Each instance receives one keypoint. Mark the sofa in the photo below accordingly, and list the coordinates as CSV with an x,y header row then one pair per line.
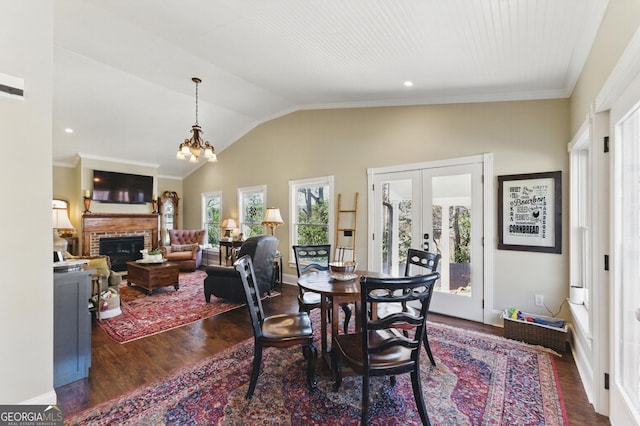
x,y
224,281
184,248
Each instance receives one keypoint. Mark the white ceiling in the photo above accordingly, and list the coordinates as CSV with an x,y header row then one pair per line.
x,y
123,68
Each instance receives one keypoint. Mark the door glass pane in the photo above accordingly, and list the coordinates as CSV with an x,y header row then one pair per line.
x,y
451,212
396,225
629,328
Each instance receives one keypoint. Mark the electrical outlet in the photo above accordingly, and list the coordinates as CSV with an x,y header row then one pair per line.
x,y
539,300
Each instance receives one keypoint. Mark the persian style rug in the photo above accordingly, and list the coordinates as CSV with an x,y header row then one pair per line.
x,y
164,309
479,380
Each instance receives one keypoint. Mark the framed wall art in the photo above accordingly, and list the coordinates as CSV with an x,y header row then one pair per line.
x,y
530,212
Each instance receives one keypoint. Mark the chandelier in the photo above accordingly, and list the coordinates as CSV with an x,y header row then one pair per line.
x,y
196,146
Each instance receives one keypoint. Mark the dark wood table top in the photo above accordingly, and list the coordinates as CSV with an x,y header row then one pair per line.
x,y
151,265
321,282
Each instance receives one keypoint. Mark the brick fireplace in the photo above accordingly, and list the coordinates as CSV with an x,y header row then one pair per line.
x,y
96,226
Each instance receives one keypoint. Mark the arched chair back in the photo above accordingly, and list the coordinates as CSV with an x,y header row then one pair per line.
x,y
312,258
421,262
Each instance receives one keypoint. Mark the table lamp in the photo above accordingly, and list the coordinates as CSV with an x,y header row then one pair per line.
x,y
272,219
228,225
60,221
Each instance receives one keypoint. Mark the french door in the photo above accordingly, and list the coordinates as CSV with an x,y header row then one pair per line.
x,y
437,209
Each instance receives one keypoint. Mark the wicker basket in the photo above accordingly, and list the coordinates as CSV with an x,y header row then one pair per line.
x,y
536,334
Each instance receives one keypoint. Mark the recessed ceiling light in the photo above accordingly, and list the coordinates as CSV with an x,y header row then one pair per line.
x,y
68,130
408,83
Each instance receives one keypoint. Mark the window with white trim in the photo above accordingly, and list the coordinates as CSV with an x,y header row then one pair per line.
x,y
310,204
211,213
251,205
580,208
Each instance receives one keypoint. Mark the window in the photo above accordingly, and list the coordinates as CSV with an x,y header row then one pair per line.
x,y
309,208
580,253
251,207
212,210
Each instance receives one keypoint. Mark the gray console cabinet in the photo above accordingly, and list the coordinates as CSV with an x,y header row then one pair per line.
x,y
71,326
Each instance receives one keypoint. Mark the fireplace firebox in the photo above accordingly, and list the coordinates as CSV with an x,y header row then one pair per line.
x,y
122,250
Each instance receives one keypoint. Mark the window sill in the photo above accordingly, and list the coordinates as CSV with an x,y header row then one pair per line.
x,y
581,320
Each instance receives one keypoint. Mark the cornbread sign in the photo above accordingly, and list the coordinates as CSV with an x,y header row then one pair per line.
x,y
529,212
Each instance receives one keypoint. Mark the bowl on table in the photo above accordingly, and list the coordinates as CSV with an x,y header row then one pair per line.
x,y
343,267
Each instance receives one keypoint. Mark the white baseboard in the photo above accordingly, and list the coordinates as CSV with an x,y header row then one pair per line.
x,y
581,357
290,279
49,398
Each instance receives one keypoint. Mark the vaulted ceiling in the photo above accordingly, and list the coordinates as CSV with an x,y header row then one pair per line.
x,y
123,68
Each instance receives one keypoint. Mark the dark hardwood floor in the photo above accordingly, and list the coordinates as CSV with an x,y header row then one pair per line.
x,y
120,368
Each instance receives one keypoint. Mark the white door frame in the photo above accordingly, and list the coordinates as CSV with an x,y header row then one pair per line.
x,y
618,94
489,215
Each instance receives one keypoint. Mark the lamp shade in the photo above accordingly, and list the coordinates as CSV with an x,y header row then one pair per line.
x,y
228,223
272,217
60,219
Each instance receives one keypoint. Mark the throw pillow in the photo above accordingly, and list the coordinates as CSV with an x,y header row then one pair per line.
x,y
99,263
183,247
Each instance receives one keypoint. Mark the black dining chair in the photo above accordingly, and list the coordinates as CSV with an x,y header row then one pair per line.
x,y
310,258
424,262
281,330
419,262
380,349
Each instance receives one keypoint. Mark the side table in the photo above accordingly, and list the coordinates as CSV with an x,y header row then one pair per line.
x,y
229,254
72,245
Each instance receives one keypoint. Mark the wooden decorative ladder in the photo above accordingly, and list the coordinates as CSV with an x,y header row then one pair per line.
x,y
345,242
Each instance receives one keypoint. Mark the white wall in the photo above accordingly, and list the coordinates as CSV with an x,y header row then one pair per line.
x,y
26,315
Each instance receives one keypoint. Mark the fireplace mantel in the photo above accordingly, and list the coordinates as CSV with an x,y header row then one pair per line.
x,y
97,225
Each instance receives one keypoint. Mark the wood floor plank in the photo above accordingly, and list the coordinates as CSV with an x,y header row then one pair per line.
x,y
120,368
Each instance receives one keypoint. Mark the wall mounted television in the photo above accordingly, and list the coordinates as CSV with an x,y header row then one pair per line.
x,y
124,188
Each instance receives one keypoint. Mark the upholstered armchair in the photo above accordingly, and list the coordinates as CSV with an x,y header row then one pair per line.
x,y
225,282
184,248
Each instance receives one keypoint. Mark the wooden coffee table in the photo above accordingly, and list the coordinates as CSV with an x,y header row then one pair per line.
x,y
152,275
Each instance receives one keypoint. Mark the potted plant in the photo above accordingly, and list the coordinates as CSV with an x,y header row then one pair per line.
x,y
155,255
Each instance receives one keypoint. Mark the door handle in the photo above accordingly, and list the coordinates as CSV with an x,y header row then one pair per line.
x,y
425,243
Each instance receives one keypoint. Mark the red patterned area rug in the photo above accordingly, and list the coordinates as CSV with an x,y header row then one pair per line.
x,y
162,310
479,380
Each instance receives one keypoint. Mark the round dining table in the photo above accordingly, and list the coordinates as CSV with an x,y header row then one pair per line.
x,y
335,289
